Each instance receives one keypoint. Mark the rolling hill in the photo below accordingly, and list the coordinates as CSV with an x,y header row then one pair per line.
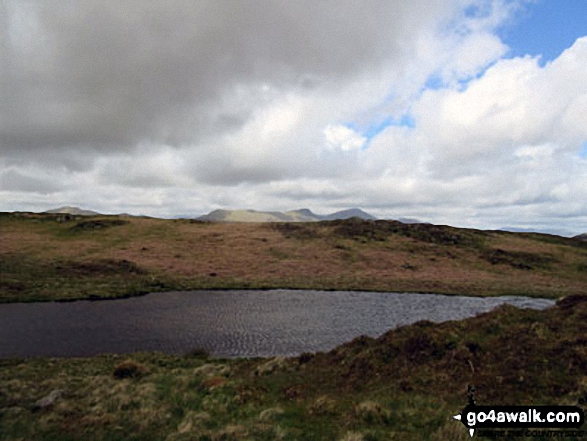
x,y
110,256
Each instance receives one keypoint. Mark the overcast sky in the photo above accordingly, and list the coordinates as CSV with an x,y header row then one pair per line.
x,y
463,112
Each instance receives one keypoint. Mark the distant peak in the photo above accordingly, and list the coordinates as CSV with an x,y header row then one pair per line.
x,y
72,210
68,207
351,212
304,211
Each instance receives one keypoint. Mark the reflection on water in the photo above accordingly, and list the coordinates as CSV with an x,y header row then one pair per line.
x,y
228,323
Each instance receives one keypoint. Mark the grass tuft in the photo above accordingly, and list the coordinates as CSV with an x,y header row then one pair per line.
x,y
130,369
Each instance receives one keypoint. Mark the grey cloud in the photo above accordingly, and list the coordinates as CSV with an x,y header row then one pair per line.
x,y
224,170
111,74
11,180
76,158
521,201
159,107
302,193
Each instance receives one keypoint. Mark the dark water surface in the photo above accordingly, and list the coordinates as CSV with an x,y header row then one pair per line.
x,y
228,323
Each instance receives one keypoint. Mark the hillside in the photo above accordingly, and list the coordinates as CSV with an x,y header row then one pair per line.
x,y
302,215
46,257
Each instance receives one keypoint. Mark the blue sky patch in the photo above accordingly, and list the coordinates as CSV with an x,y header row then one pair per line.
x,y
434,82
477,11
374,128
406,120
583,153
545,27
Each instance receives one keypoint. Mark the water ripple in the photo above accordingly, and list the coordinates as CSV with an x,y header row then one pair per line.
x,y
228,323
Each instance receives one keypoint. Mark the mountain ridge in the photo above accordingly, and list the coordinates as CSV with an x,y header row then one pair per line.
x,y
299,215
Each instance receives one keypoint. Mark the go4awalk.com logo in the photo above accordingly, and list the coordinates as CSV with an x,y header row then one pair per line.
x,y
520,417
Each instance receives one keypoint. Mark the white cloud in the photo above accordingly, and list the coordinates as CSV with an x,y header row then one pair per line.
x,y
475,52
515,103
194,106
343,138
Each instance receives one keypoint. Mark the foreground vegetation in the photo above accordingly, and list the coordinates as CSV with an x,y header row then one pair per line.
x,y
405,385
65,257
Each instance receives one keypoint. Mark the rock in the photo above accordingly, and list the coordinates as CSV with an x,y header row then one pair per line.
x,y
47,401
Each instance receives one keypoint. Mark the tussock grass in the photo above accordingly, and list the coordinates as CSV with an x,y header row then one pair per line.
x,y
129,369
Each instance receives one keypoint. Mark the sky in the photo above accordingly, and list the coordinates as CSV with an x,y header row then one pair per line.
x,y
470,113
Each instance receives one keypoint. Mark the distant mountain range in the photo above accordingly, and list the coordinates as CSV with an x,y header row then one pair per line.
x,y
303,215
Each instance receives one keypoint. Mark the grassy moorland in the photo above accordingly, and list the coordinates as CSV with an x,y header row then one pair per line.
x,y
63,257
405,385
